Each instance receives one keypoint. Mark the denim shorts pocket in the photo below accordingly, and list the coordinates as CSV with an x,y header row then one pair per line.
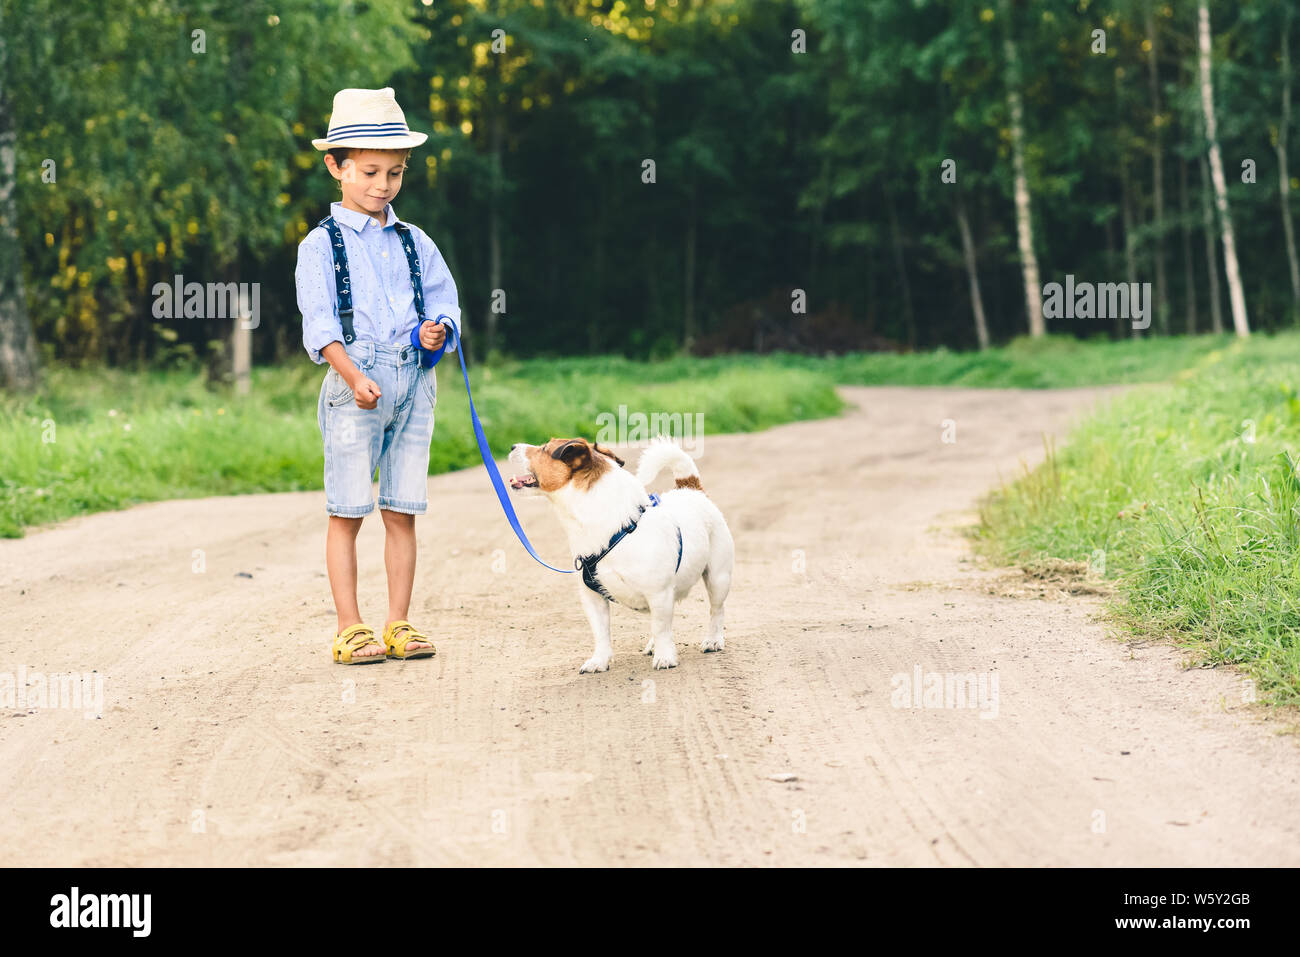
x,y
337,391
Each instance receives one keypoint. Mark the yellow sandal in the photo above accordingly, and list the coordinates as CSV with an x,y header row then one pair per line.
x,y
353,639
397,646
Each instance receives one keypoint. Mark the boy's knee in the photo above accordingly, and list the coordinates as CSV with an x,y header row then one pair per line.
x,y
397,519
346,523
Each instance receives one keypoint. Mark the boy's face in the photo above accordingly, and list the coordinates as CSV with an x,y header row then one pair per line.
x,y
370,178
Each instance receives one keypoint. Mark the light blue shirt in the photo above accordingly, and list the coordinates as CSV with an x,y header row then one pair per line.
x,y
383,303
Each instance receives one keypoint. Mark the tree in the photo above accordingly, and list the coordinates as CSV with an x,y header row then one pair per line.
x,y
1235,295
1024,218
972,275
18,365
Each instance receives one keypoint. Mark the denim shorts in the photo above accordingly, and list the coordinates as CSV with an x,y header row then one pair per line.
x,y
393,437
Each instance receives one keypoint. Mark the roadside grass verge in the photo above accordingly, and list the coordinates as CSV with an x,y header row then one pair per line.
x,y
1188,496
1053,362
96,439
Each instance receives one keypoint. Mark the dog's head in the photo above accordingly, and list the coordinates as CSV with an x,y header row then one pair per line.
x,y
560,463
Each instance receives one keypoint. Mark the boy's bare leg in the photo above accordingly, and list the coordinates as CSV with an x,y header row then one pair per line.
x,y
341,565
399,560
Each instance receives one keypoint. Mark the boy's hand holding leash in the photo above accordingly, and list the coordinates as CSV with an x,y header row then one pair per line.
x,y
432,335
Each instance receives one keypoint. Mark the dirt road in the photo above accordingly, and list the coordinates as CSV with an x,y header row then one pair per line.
x,y
228,737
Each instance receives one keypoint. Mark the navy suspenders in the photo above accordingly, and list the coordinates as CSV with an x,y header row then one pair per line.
x,y
342,281
343,285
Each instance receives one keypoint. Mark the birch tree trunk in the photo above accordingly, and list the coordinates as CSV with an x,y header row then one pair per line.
x,y
1283,174
972,274
1236,297
241,340
1211,258
1024,221
17,344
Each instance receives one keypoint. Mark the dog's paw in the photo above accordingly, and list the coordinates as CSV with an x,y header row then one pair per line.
x,y
668,660
713,644
649,648
592,665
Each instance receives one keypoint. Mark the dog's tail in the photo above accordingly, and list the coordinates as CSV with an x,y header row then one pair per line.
x,y
664,453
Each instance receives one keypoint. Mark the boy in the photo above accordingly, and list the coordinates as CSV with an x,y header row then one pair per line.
x,y
365,281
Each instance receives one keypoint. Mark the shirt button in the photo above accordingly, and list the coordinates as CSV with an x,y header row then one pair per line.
x,y
385,255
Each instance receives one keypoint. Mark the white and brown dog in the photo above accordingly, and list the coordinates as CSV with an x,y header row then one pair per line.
x,y
640,550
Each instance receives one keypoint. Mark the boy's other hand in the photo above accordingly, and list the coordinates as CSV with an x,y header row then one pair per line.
x,y
367,392
432,335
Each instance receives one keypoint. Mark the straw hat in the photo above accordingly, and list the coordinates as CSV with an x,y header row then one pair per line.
x,y
368,120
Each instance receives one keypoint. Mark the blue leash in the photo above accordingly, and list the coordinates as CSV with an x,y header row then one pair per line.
x,y
586,563
427,357
483,450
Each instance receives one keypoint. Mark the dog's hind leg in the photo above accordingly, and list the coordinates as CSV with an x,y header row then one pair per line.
x,y
661,630
597,610
717,582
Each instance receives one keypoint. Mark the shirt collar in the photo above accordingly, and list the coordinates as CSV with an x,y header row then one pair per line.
x,y
357,221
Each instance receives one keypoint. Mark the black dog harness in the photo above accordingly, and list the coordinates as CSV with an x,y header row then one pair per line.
x,y
587,563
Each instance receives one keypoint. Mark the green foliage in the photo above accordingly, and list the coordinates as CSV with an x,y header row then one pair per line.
x,y
169,160
774,169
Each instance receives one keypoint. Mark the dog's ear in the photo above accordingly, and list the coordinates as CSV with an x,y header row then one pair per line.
x,y
572,453
604,451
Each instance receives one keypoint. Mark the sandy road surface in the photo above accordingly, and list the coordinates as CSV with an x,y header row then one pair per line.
x,y
229,738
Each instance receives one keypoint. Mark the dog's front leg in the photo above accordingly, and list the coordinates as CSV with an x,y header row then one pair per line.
x,y
661,630
597,610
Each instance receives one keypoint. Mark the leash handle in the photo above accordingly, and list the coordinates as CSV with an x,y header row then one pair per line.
x,y
502,495
429,359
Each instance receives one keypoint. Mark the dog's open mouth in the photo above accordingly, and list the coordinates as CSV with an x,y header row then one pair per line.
x,y
528,480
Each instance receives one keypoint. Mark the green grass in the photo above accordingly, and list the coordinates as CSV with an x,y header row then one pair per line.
x,y
1053,362
1189,492
99,439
